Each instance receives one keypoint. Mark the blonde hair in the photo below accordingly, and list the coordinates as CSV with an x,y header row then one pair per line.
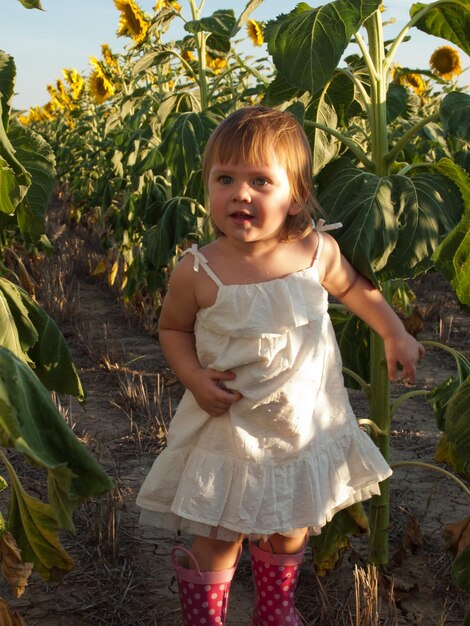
x,y
250,136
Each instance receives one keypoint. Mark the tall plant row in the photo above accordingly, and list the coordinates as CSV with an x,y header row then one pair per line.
x,y
391,162
34,360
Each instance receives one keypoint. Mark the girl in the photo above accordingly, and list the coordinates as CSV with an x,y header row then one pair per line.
x,y
264,443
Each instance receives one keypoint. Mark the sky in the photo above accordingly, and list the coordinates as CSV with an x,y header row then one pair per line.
x,y
67,32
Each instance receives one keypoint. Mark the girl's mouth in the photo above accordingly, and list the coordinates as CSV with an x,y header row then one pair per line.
x,y
241,217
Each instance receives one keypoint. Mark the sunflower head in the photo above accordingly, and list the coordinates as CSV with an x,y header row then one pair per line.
x,y
255,32
132,21
216,64
445,62
101,88
410,80
167,4
108,56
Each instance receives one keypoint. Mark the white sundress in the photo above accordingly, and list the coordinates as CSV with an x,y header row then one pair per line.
x,y
290,453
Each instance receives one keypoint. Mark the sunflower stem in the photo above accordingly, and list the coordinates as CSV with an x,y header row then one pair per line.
x,y
350,143
414,130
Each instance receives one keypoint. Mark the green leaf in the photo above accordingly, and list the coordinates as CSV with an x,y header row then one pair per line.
x,y
184,137
36,156
455,115
14,179
7,83
391,224
32,4
454,447
307,44
336,95
32,423
441,395
449,20
461,569
353,337
397,100
34,338
279,91
452,257
328,547
36,530
178,220
221,22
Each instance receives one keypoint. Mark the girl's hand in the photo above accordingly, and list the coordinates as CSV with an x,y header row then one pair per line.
x,y
208,389
405,350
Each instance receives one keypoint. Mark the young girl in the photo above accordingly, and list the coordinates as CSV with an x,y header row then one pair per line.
x,y
264,443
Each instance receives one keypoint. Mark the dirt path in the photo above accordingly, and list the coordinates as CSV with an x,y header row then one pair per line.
x,y
123,575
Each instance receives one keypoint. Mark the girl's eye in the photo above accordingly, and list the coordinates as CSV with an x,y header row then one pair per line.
x,y
260,181
225,180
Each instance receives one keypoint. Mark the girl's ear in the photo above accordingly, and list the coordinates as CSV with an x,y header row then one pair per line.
x,y
294,209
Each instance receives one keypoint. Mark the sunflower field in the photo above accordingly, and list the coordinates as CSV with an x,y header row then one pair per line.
x,y
123,144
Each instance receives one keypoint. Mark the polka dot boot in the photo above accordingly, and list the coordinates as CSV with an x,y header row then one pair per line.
x,y
275,577
203,595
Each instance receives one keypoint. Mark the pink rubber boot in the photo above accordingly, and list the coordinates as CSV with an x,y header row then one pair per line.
x,y
275,577
203,595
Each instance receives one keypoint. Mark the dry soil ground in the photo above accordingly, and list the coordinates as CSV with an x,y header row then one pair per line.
x,y
122,574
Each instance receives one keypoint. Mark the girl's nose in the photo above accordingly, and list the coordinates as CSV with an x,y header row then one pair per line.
x,y
241,192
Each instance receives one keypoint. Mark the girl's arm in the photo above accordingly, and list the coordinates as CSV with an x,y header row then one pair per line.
x,y
176,336
358,294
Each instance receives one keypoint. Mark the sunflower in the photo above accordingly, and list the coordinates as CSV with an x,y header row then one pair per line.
x,y
255,32
101,88
167,4
132,22
410,80
216,64
75,81
445,62
109,58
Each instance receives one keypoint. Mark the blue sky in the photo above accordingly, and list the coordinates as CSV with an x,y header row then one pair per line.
x,y
67,32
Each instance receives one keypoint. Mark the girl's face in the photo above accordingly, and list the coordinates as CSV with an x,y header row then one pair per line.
x,y
250,203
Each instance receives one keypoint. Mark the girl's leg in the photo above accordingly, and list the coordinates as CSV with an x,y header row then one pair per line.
x,y
276,566
213,555
204,576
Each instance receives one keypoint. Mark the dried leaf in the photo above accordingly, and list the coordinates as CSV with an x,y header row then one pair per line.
x,y
414,322
100,268
113,272
15,571
413,538
457,535
9,617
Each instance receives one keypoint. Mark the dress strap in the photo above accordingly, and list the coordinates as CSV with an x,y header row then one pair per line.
x,y
200,260
321,227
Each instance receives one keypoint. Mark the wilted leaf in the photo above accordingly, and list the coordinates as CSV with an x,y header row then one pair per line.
x,y
328,547
457,535
16,572
33,425
35,528
100,268
9,617
34,337
113,273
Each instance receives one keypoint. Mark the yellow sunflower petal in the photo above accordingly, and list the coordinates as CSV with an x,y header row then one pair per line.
x,y
255,32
